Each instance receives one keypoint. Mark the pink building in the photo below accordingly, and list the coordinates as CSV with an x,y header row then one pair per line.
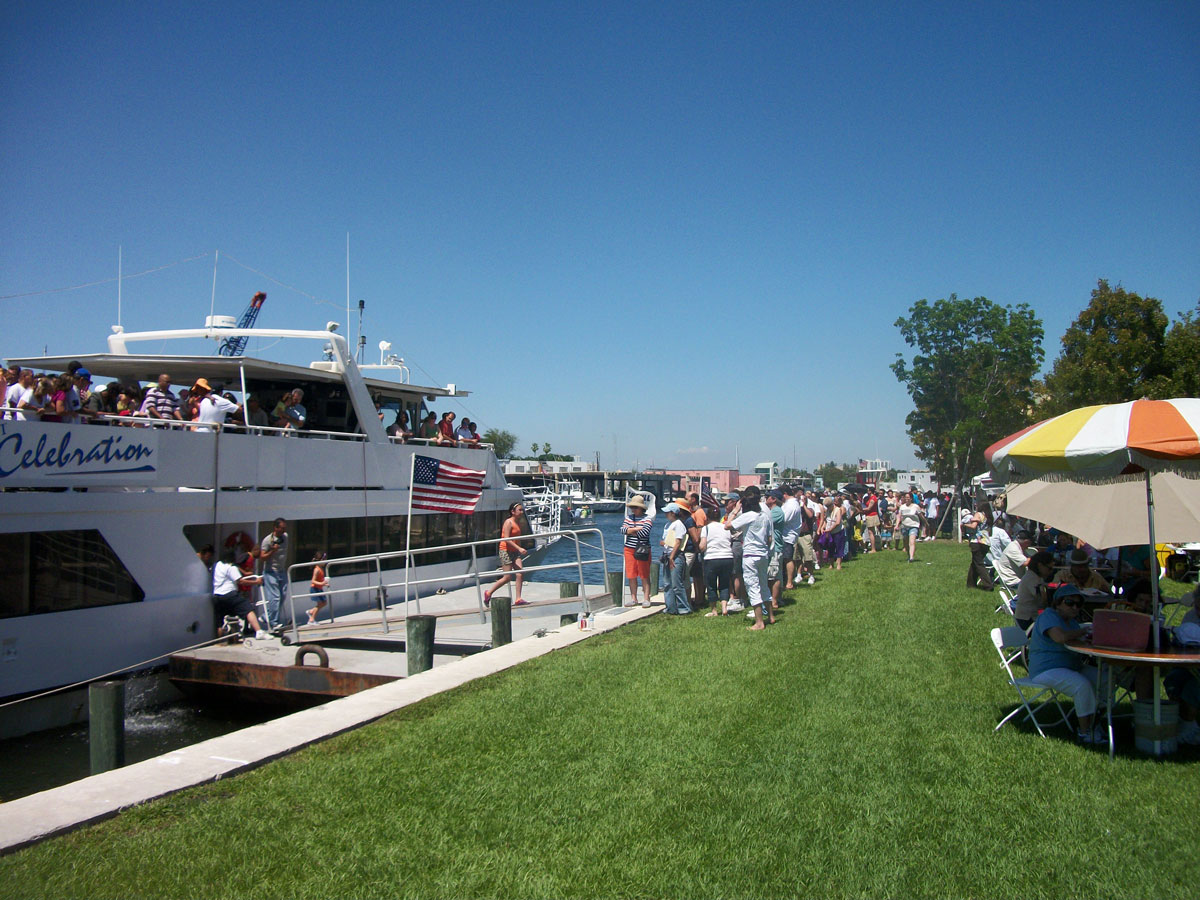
x,y
722,480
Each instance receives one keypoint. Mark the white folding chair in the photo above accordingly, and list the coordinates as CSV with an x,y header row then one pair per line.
x,y
1008,600
1010,642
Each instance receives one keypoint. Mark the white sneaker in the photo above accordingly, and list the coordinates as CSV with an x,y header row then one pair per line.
x,y
811,580
750,615
261,635
735,606
816,567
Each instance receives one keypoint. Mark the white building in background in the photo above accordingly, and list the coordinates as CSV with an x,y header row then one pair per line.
x,y
555,467
920,479
768,473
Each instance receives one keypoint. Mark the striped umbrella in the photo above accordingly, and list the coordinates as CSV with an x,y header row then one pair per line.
x,y
1097,443
1078,471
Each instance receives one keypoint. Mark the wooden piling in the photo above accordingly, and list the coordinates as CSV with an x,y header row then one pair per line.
x,y
654,570
567,619
501,610
106,725
568,589
419,644
616,587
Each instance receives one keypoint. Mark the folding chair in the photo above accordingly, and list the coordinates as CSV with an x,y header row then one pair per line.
x,y
1008,600
1010,643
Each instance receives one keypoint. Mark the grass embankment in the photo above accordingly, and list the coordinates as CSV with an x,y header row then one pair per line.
x,y
848,751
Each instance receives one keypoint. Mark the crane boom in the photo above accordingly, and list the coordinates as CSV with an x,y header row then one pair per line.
x,y
235,345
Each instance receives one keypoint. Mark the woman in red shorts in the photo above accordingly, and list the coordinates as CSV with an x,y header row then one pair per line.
x,y
636,529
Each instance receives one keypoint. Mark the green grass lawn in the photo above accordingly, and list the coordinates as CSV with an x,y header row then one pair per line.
x,y
848,751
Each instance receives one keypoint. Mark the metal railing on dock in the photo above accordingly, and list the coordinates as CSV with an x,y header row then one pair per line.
x,y
402,578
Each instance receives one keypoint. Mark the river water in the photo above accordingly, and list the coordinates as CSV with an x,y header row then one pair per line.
x,y
609,525
46,759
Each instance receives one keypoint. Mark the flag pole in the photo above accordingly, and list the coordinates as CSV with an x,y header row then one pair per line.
x,y
412,469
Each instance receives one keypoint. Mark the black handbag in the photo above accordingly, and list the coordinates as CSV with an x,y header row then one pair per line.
x,y
641,552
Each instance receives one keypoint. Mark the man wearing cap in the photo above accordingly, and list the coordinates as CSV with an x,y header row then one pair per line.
x,y
636,529
1031,589
160,403
1080,573
691,552
1012,562
674,568
81,386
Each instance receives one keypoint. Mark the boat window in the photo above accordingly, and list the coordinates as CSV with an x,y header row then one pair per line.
x,y
378,534
56,571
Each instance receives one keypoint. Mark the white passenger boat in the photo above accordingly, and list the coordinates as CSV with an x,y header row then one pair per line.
x,y
100,524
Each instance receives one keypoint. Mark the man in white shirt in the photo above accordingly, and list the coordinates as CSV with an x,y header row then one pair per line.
x,y
228,600
931,515
213,407
997,542
791,532
1012,562
19,391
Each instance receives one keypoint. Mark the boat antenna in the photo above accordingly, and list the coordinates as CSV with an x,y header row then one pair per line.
x,y
118,284
362,341
347,282
212,309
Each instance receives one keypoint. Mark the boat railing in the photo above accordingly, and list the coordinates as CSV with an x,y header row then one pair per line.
x,y
404,580
240,428
172,455
230,427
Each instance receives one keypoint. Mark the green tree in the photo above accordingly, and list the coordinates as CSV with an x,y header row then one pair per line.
x,y
1181,354
502,441
970,379
546,448
1112,352
833,474
533,449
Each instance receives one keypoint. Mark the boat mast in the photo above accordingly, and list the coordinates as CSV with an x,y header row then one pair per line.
x,y
212,307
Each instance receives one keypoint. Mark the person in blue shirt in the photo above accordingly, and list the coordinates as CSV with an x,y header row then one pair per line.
x,y
1052,664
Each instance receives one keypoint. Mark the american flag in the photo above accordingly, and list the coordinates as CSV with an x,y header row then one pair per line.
x,y
442,486
707,500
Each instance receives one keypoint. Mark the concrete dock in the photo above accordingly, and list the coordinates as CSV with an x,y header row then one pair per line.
x,y
42,815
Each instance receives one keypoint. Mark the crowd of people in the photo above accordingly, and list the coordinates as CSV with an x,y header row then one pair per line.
x,y
761,544
431,430
73,397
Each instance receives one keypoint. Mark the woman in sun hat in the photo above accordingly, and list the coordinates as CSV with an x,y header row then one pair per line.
x,y
636,529
1053,665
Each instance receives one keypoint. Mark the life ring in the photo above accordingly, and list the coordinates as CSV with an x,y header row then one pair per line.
x,y
242,540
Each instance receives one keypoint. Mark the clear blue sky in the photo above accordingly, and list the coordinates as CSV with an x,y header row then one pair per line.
x,y
653,230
